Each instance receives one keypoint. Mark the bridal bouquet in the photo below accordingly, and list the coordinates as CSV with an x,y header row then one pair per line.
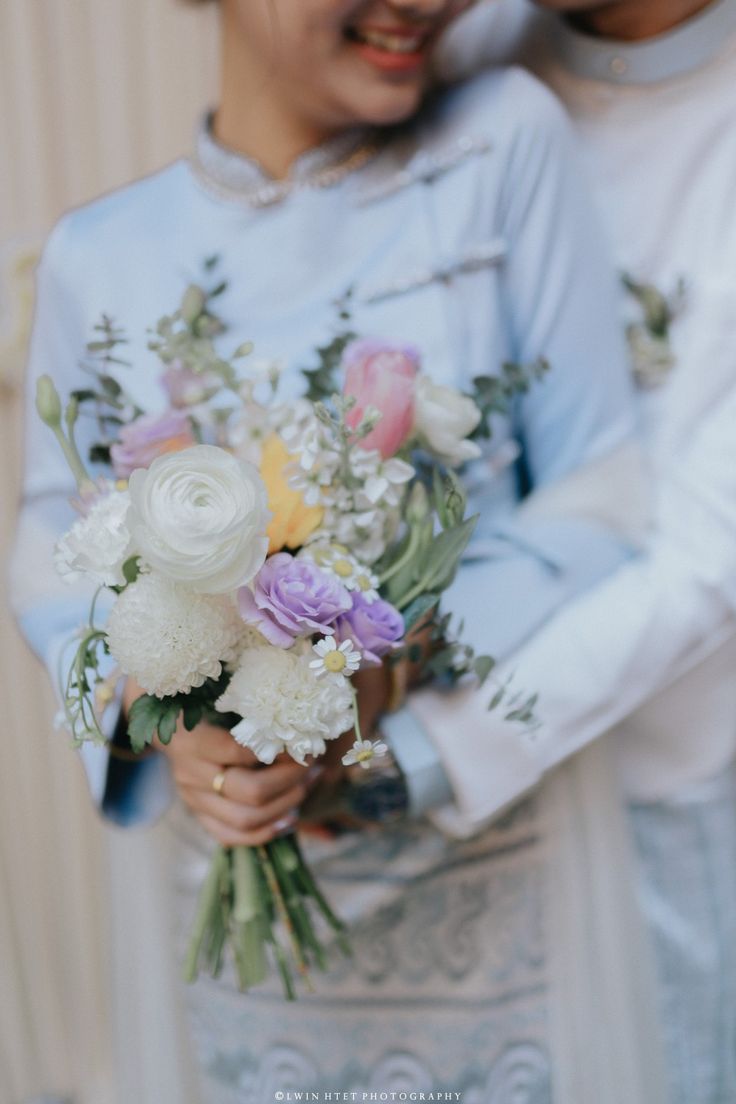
x,y
256,553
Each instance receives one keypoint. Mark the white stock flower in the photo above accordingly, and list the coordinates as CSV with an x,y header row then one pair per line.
x,y
263,372
248,431
364,752
97,545
284,706
384,485
199,517
333,659
169,638
443,419
314,484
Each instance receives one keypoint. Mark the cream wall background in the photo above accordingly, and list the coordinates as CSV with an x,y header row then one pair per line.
x,y
92,94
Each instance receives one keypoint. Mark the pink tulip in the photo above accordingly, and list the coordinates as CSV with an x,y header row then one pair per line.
x,y
382,376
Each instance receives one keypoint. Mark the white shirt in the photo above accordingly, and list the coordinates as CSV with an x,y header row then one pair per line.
x,y
649,656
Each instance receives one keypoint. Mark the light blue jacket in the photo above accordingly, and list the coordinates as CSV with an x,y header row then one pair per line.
x,y
470,235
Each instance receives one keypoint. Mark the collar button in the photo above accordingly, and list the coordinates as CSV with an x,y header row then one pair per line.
x,y
619,66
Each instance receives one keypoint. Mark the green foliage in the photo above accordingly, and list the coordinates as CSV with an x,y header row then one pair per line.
x,y
449,498
493,394
187,336
659,310
418,609
77,688
149,716
322,381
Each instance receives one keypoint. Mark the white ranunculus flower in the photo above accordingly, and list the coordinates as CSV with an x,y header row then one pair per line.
x,y
98,544
284,706
443,418
199,517
170,639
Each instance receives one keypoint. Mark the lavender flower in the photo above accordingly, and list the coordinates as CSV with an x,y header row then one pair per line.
x,y
375,627
292,598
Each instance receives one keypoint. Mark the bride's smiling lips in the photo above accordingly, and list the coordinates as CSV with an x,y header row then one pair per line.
x,y
394,49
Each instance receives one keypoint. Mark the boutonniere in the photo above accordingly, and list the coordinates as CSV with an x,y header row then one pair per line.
x,y
649,334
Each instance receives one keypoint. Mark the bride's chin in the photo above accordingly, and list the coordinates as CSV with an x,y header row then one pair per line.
x,y
390,107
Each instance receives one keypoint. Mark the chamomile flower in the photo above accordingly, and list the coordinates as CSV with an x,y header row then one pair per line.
x,y
336,560
334,659
364,752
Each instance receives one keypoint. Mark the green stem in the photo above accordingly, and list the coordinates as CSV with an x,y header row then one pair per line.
x,y
283,913
245,879
247,916
311,888
404,559
356,714
415,591
73,459
206,906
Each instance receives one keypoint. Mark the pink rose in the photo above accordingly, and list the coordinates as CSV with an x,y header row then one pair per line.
x,y
382,376
150,436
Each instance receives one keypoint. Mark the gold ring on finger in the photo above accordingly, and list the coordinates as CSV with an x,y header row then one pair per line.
x,y
218,781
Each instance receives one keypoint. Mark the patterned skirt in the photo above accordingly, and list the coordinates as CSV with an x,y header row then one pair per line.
x,y
446,992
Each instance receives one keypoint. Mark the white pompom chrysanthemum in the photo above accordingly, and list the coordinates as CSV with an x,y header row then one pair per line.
x,y
170,639
97,545
284,706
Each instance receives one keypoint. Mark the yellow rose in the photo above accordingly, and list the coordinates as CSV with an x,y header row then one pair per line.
x,y
292,520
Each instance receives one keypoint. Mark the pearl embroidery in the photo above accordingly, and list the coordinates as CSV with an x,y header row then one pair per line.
x,y
480,256
426,167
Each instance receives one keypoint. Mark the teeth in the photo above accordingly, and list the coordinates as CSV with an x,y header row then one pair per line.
x,y
395,44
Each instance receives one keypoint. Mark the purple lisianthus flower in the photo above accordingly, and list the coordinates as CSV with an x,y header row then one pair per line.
x,y
292,598
375,628
150,436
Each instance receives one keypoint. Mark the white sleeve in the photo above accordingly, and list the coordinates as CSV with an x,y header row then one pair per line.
x,y
611,650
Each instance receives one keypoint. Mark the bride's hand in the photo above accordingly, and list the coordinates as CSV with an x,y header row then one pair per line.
x,y
255,803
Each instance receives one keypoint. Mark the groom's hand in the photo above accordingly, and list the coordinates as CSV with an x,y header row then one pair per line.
x,y
254,804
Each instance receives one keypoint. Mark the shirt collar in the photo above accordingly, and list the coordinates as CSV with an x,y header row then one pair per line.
x,y
669,55
236,173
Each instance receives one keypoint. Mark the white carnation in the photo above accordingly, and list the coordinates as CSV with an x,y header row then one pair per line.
x,y
284,706
98,544
170,639
443,419
199,516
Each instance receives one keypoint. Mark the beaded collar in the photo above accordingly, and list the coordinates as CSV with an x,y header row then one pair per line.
x,y
235,176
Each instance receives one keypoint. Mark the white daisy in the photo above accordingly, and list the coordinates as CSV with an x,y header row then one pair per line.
x,y
336,560
334,659
364,752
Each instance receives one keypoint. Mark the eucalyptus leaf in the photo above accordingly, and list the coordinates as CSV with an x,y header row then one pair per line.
x,y
497,699
482,667
418,609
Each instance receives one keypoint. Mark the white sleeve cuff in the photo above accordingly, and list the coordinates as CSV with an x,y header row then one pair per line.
x,y
490,763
